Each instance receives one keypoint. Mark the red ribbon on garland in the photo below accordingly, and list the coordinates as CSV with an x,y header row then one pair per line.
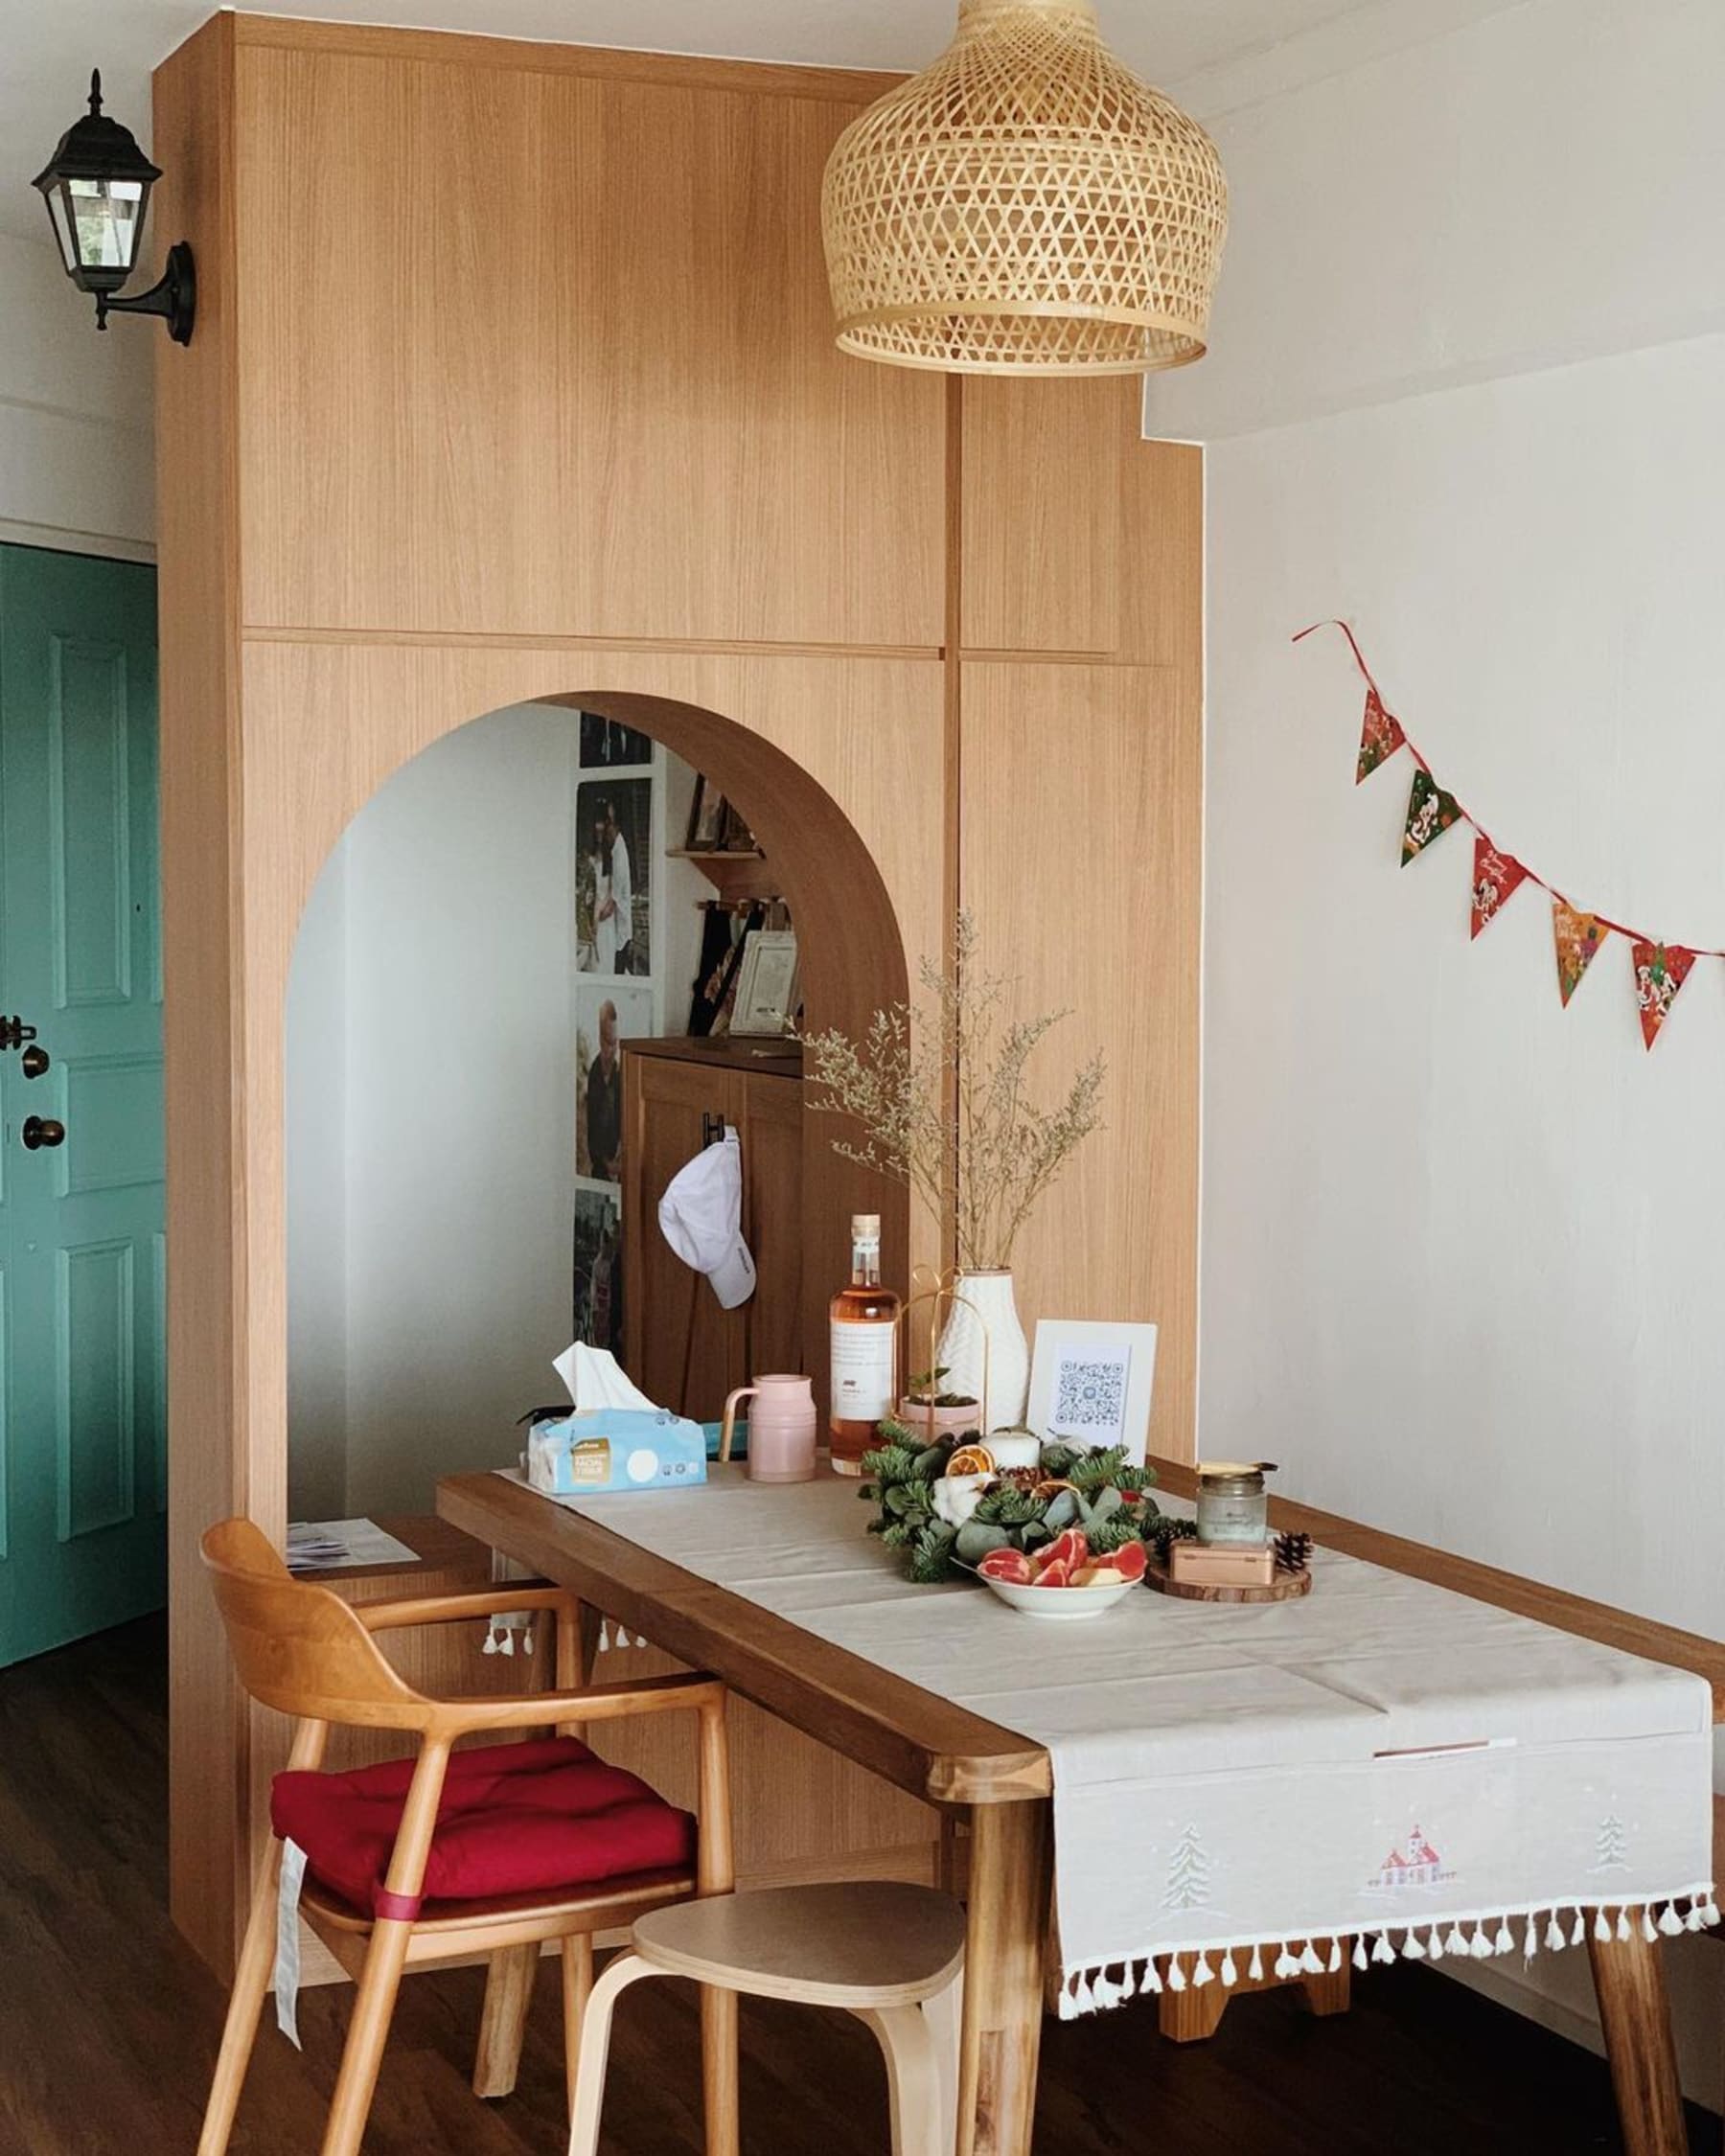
x,y
1660,969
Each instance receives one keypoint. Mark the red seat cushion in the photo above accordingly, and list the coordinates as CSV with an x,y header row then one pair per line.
x,y
514,1819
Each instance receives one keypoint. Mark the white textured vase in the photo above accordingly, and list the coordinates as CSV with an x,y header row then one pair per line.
x,y
987,1313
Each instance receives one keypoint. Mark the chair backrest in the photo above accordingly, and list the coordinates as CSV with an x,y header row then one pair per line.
x,y
297,1648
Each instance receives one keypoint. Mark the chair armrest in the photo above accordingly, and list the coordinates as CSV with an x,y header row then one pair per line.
x,y
597,1703
473,1602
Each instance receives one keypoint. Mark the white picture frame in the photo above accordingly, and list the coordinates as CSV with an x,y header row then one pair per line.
x,y
767,983
1091,1383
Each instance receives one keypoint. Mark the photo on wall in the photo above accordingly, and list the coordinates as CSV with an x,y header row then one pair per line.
x,y
607,744
605,1018
598,1282
614,868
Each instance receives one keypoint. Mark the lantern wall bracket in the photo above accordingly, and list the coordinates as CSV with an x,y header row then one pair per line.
x,y
173,296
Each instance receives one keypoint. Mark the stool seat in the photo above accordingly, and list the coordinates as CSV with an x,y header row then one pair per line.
x,y
882,1944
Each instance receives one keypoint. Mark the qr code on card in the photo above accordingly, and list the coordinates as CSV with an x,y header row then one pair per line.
x,y
1090,1396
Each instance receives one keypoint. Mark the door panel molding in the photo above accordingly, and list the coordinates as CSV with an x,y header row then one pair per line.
x,y
84,1111
83,1372
81,821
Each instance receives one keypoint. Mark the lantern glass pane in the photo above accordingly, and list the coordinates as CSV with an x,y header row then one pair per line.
x,y
107,216
59,216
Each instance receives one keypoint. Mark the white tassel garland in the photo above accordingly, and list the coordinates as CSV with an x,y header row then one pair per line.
x,y
1530,1943
1153,1981
1457,1942
1505,1941
1555,1942
1671,1923
1203,1974
1309,1960
1382,1950
1580,1935
1411,1950
1433,1946
1257,1970
1335,1959
1360,1960
1287,1964
1177,1979
1230,1974
1480,1945
1601,1929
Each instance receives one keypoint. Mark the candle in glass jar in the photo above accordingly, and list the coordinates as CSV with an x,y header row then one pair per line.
x,y
1232,1506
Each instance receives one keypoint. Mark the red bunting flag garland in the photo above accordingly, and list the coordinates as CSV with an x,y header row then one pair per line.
x,y
1659,972
1431,811
1579,936
1660,968
1380,736
1495,877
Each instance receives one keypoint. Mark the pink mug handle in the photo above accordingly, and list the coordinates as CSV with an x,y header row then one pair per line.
x,y
729,1424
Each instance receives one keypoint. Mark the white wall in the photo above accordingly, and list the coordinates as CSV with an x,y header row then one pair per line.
x,y
77,465
1462,1252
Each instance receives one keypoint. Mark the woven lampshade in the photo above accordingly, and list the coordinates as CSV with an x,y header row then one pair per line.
x,y
1025,205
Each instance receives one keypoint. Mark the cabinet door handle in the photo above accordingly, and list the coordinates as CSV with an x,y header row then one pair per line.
x,y
40,1130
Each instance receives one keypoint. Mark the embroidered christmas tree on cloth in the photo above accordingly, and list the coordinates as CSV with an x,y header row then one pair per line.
x,y
1611,1852
1188,1884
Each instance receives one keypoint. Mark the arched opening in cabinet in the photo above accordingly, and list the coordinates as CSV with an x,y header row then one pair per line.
x,y
491,1074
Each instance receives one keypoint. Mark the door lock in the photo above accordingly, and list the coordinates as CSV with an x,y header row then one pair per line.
x,y
14,1032
40,1130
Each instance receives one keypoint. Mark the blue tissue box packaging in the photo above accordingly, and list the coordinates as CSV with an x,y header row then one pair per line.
x,y
609,1449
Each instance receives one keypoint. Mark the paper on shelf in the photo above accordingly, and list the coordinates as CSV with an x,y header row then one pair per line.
x,y
327,1546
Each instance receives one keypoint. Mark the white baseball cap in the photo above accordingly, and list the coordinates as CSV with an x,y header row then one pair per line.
x,y
701,1218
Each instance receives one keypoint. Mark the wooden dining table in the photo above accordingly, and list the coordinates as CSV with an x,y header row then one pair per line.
x,y
955,1759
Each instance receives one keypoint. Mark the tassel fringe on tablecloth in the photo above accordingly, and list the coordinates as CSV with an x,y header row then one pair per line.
x,y
1472,1937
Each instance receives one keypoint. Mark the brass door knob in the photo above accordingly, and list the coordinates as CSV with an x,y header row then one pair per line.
x,y
42,1130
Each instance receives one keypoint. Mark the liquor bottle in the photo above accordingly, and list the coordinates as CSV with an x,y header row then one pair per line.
x,y
864,1337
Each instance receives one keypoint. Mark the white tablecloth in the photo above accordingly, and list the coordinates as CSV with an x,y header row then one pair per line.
x,y
1381,1767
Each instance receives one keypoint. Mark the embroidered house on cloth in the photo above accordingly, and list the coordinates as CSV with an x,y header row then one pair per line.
x,y
1420,1866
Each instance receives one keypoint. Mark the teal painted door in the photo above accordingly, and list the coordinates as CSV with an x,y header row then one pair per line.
x,y
82,1256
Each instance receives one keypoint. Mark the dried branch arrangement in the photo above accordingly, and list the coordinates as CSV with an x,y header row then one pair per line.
x,y
939,1092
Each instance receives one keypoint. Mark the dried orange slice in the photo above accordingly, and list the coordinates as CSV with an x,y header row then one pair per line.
x,y
1050,1490
971,1459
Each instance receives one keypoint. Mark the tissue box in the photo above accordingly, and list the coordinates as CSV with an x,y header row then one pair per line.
x,y
607,1449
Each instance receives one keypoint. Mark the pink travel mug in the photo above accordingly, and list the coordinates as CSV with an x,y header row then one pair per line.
x,y
781,1428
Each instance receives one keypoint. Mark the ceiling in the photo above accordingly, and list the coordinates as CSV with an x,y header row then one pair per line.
x,y
51,45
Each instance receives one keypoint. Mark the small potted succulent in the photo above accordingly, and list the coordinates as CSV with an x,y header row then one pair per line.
x,y
933,1412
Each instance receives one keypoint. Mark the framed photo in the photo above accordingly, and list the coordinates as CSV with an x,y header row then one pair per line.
x,y
605,1016
767,983
1090,1384
614,866
606,743
709,815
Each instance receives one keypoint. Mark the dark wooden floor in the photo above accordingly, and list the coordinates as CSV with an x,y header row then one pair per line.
x,y
108,2022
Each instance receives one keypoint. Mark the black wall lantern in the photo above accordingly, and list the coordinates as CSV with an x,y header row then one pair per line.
x,y
97,188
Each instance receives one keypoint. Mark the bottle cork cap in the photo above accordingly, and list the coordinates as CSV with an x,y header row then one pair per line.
x,y
863,1226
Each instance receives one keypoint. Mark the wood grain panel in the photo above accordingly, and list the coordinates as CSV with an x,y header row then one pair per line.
x,y
570,369
1043,512
196,424
1081,857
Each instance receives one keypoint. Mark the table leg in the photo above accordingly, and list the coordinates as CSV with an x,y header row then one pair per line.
x,y
1010,1855
1636,2017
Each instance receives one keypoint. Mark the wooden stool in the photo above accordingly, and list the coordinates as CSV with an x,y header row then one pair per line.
x,y
890,1954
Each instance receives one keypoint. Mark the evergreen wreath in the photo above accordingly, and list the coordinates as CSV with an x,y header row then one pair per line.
x,y
1106,1497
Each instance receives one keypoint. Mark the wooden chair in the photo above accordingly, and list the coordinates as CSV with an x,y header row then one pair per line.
x,y
890,1954
303,1651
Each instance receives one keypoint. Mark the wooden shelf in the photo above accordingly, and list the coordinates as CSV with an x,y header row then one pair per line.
x,y
736,876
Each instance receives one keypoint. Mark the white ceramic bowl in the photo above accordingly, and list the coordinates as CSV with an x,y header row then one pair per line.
x,y
1060,1604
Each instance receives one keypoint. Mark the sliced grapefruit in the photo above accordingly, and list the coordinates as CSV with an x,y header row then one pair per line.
x,y
1130,1560
1056,1573
1010,1565
1069,1549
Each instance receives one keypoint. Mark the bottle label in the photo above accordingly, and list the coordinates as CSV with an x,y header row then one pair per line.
x,y
862,1362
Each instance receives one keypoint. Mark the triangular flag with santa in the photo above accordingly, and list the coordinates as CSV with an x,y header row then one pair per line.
x,y
1380,737
1661,970
1579,936
1431,811
1495,877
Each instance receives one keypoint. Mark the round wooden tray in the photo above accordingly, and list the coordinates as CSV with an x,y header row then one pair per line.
x,y
1285,1586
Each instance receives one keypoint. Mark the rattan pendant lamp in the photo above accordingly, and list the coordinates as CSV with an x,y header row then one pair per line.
x,y
1024,206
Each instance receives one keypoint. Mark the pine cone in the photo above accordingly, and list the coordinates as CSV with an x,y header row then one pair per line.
x,y
1169,1530
1293,1553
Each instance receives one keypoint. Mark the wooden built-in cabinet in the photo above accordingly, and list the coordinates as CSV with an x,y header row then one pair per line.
x,y
681,1349
558,416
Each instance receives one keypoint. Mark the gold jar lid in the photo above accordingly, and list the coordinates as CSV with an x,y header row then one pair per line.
x,y
1238,1475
